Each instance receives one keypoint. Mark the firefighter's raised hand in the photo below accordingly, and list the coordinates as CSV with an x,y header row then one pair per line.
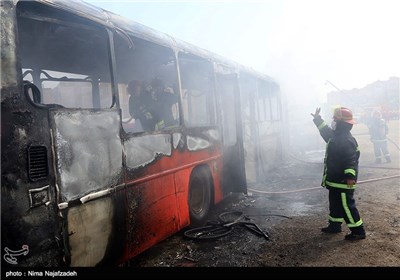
x,y
316,114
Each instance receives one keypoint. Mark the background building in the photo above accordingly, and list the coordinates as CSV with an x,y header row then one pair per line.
x,y
380,95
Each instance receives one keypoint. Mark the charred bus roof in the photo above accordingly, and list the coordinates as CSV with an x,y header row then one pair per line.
x,y
116,22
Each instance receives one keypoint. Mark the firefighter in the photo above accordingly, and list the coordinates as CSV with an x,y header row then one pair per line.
x,y
340,172
378,130
142,106
164,99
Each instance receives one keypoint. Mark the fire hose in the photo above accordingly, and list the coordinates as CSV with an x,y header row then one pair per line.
x,y
314,188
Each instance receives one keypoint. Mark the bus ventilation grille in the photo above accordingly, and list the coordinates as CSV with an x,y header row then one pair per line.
x,y
37,160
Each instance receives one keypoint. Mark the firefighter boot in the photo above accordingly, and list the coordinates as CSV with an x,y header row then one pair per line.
x,y
332,228
357,233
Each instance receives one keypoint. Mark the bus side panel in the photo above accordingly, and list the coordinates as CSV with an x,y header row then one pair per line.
x,y
28,207
152,214
88,150
89,230
89,160
143,154
215,168
157,205
182,188
28,222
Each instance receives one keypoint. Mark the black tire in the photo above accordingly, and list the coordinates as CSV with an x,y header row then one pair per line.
x,y
208,232
199,196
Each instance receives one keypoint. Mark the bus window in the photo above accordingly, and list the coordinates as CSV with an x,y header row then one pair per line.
x,y
74,92
226,85
275,102
197,91
147,83
264,102
275,107
68,62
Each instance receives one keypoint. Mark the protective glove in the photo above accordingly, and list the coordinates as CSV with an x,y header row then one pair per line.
x,y
350,183
316,114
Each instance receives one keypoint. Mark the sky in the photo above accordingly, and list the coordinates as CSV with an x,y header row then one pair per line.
x,y
301,44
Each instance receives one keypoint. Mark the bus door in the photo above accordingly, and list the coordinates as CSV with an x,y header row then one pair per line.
x,y
233,174
248,98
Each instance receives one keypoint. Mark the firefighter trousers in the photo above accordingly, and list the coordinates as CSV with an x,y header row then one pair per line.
x,y
342,208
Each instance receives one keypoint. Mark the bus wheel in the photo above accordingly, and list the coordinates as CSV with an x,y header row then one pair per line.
x,y
199,196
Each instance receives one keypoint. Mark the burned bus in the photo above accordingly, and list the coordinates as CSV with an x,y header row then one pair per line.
x,y
91,174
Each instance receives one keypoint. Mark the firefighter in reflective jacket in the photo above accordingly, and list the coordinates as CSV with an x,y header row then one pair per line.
x,y
340,172
142,106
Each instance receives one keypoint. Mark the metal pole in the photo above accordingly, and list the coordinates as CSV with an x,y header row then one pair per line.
x,y
328,82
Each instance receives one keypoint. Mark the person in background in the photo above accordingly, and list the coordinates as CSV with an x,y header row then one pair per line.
x,y
340,172
141,106
378,130
164,98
